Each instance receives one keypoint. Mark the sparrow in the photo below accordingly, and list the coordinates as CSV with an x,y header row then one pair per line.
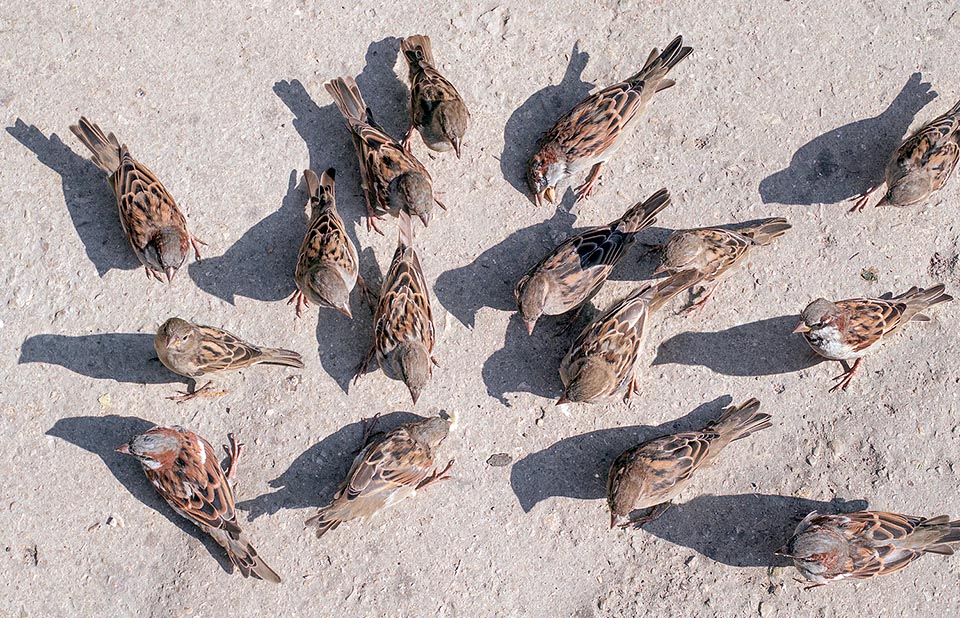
x,y
920,165
574,271
184,470
390,467
193,351
327,267
712,251
155,227
848,329
589,134
649,476
403,321
437,110
827,548
604,359
393,180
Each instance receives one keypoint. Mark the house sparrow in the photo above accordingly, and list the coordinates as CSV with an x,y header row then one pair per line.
x,y
865,544
589,134
327,267
920,165
184,470
650,475
436,109
848,329
574,271
712,251
194,351
393,180
154,225
390,467
403,322
604,359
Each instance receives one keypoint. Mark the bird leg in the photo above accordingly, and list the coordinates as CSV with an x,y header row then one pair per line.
x,y
362,369
301,300
365,294
204,391
153,273
233,450
436,477
864,198
372,217
654,513
633,387
408,138
845,377
196,250
584,190
698,306
368,425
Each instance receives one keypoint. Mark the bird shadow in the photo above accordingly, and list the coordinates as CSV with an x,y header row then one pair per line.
x,y
761,348
260,265
382,90
90,202
536,115
314,476
123,357
101,435
577,467
742,530
850,159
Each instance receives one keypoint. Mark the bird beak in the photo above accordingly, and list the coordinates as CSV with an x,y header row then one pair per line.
x,y
801,328
345,310
530,325
551,194
415,395
563,399
425,217
170,271
613,519
456,145
123,448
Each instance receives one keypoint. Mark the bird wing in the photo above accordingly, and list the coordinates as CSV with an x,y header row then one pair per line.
x,y
404,311
595,124
145,204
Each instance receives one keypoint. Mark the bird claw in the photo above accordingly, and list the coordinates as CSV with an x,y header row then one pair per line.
x,y
204,391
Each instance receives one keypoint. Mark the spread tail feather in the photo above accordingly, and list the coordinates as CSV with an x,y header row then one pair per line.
x,y
346,95
765,232
323,524
918,300
644,214
105,148
279,356
954,110
659,64
740,421
245,558
417,49
321,190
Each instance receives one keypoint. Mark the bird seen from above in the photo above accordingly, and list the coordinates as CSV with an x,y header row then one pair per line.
x,y
570,275
390,467
848,329
712,251
392,179
194,351
866,544
404,335
605,359
153,223
184,470
920,165
649,476
587,136
327,266
437,110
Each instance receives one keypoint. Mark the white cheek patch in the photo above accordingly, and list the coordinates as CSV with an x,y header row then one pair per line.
x,y
150,463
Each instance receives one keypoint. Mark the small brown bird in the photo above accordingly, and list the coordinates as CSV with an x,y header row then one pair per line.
x,y
651,475
712,251
437,110
391,467
848,329
920,165
193,351
403,322
154,225
827,548
393,180
327,267
589,134
574,271
184,470
604,359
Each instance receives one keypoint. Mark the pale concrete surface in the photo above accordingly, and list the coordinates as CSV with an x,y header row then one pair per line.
x,y
785,108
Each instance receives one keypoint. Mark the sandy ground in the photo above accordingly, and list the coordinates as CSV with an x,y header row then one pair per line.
x,y
784,109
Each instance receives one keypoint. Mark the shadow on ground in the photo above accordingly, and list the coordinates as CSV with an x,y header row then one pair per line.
x,y
101,435
124,357
313,478
848,160
89,200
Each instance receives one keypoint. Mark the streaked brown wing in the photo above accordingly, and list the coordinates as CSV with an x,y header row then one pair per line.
x,y
145,204
874,535
221,350
385,465
672,460
404,310
933,148
867,320
326,242
430,88
381,160
616,336
595,123
726,248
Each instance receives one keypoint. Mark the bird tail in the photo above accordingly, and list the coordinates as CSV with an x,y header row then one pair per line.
x,y
323,522
658,64
644,214
346,95
105,148
740,421
417,50
279,356
245,558
663,292
955,110
919,300
321,190
947,534
764,233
